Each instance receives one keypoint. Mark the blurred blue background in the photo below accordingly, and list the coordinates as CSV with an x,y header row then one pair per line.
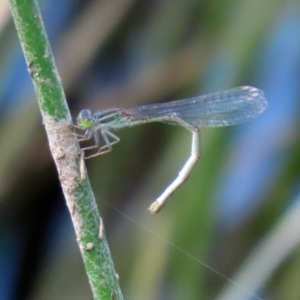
x,y
123,53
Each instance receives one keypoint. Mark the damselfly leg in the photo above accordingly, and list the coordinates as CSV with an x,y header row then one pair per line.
x,y
90,133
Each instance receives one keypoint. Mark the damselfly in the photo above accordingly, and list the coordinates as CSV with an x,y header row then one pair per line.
x,y
225,108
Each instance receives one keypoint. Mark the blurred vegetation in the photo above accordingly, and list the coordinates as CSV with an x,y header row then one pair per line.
x,y
237,212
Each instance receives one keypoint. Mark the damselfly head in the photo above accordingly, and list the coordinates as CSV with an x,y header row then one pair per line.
x,y
85,119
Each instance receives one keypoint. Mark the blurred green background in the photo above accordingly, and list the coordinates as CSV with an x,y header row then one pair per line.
x,y
238,214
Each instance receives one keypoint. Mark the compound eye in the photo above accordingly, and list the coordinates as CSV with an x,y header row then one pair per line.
x,y
85,114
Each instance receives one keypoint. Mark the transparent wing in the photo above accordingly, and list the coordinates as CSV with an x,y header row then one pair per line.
x,y
225,108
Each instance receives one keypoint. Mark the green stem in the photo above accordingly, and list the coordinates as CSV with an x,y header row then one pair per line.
x,y
64,147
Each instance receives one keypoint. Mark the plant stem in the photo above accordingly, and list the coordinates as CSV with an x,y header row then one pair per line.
x,y
64,147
